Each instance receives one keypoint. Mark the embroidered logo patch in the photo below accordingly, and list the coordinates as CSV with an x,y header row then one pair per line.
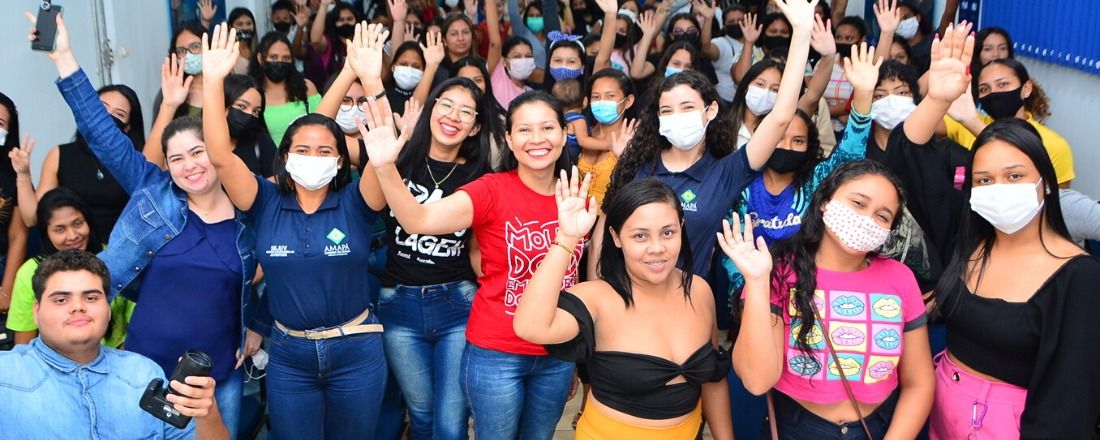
x,y
336,236
687,196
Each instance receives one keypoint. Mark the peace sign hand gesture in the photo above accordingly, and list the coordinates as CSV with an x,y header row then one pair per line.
x,y
21,156
574,218
751,257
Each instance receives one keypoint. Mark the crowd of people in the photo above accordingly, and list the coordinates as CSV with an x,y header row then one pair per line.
x,y
762,217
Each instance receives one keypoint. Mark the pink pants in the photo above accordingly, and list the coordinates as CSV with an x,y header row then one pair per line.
x,y
970,407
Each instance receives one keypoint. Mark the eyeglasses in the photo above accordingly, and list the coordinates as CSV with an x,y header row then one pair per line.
x,y
347,103
445,107
682,32
195,48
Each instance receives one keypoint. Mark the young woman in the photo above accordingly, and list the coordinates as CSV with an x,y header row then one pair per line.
x,y
685,141
512,386
611,96
187,48
409,72
244,22
13,233
645,330
288,94
314,229
1014,297
568,59
838,331
180,246
327,35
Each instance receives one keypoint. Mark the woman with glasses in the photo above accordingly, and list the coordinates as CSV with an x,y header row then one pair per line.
x,y
185,54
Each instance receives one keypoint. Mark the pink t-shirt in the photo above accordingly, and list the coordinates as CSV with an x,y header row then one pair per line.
x,y
866,314
515,227
504,90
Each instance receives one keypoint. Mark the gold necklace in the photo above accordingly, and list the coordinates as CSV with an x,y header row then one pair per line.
x,y
432,176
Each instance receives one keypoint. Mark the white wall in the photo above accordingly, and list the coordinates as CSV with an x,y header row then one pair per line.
x,y
1075,104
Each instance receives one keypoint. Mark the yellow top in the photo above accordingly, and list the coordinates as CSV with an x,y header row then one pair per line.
x,y
1057,147
601,175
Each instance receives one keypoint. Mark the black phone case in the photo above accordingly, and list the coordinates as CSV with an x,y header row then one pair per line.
x,y
46,29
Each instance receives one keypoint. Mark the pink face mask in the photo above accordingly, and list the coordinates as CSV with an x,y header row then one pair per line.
x,y
858,232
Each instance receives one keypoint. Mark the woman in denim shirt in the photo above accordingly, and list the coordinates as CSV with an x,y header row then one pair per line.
x,y
170,250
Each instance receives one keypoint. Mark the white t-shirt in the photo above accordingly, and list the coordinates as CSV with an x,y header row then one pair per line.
x,y
729,50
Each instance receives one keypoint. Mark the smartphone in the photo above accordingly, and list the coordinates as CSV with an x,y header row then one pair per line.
x,y
46,28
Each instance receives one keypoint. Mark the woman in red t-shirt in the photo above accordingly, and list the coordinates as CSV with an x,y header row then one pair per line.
x,y
514,218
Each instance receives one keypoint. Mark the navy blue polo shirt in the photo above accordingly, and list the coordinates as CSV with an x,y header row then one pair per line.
x,y
708,189
315,264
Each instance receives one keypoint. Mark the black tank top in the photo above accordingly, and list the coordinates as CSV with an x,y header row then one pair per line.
x,y
79,170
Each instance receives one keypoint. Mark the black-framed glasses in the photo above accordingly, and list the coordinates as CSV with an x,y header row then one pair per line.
x,y
195,48
348,102
445,107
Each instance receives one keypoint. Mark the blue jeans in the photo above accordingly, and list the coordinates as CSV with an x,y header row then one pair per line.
x,y
514,396
227,394
325,389
425,337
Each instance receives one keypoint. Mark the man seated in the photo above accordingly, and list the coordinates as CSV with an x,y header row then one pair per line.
x,y
64,384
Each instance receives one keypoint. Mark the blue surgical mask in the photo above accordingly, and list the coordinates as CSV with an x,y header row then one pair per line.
x,y
192,64
606,112
669,71
562,73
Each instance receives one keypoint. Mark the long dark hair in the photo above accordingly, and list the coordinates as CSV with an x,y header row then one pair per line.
x,y
625,84
475,149
586,64
794,257
692,51
12,140
190,27
295,83
813,151
977,234
737,107
617,209
508,161
976,62
58,198
343,174
1037,102
450,21
235,86
492,108
137,122
648,143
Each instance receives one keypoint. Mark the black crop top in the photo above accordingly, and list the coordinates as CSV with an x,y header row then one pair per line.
x,y
635,383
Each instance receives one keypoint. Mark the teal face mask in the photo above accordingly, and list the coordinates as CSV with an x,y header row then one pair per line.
x,y
605,112
535,24
669,71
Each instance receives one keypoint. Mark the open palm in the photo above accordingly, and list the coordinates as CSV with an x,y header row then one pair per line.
x,y
365,50
220,52
750,256
379,134
860,69
576,210
947,74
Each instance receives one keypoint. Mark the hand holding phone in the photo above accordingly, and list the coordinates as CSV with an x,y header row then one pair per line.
x,y
45,31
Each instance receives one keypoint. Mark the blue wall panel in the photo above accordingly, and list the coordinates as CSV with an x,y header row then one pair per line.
x,y
1063,32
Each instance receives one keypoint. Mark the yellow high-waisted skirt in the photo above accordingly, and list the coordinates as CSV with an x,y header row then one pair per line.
x,y
595,425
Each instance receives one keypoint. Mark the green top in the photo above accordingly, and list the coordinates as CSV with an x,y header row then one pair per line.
x,y
21,312
279,117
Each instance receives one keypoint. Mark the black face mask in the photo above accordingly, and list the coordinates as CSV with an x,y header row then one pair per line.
x,y
345,31
690,38
621,41
775,42
844,50
246,35
283,27
734,32
242,125
1001,105
785,161
277,71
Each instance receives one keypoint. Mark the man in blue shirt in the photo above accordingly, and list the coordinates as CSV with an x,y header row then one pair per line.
x,y
64,384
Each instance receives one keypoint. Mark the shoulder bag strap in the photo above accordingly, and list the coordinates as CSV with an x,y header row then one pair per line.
x,y
843,376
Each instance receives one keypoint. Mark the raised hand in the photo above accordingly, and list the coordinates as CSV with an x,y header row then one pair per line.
x,y
433,52
947,74
575,219
365,49
620,140
301,16
822,39
220,53
381,139
962,109
21,156
861,68
173,85
410,116
399,9
608,6
750,29
888,16
207,8
61,46
799,12
750,256
410,33
704,7
647,22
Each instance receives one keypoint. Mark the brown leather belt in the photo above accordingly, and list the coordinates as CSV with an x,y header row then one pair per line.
x,y
351,327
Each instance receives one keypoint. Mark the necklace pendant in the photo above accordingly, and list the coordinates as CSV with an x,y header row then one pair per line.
x,y
99,174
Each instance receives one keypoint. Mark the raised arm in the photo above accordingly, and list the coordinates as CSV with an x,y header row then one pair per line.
x,y
758,351
751,32
648,22
301,18
433,57
707,8
610,10
538,318
948,78
492,24
801,15
950,11
399,10
888,16
365,58
207,9
334,96
26,199
317,30
17,251
840,10
823,42
219,54
173,90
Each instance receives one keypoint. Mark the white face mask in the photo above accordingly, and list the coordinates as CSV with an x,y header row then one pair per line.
x,y
451,3
3,135
892,110
1007,206
760,100
346,119
858,232
683,130
407,77
520,68
311,172
908,28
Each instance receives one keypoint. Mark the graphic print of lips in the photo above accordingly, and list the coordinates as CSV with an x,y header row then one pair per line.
x,y
851,367
880,370
815,337
888,339
887,307
848,336
847,306
804,365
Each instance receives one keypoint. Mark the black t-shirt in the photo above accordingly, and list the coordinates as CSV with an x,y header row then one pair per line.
x,y
7,206
258,155
417,259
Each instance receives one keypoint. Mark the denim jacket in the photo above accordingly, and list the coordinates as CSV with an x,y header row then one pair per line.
x,y
44,395
157,210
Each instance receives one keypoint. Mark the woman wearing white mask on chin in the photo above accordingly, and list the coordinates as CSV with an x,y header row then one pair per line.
x,y
683,141
313,229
